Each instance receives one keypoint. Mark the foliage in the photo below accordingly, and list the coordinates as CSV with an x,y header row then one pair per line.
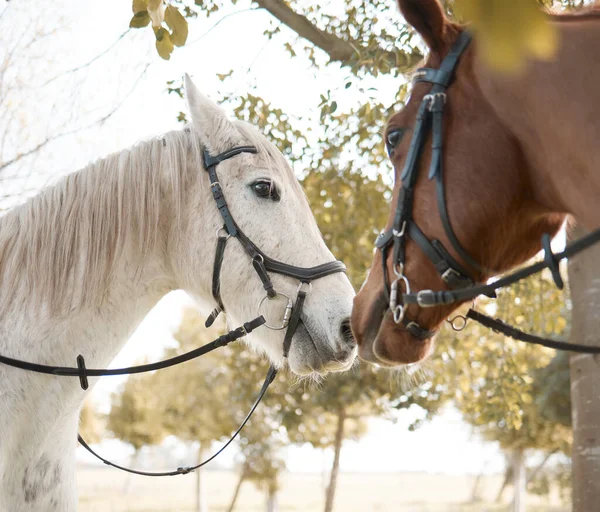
x,y
90,423
509,31
169,25
360,34
135,414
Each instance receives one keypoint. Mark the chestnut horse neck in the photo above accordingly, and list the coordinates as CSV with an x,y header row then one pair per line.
x,y
553,111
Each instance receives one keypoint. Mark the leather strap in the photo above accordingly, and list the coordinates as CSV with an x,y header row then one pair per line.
x,y
216,280
185,470
449,269
430,298
80,371
213,161
294,321
500,327
442,77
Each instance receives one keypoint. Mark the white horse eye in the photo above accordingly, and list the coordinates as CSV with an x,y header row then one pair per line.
x,y
265,188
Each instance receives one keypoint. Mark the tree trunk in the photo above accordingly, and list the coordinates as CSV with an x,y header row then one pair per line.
x,y
507,477
236,492
519,480
201,503
133,464
272,505
475,492
339,437
584,279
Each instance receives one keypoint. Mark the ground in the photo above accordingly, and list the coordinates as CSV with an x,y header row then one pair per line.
x,y
106,489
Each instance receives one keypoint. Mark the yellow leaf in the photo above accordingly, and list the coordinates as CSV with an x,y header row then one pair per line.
x,y
139,5
509,31
178,25
140,19
164,45
542,40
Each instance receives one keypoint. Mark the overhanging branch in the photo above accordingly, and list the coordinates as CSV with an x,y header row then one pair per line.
x,y
338,49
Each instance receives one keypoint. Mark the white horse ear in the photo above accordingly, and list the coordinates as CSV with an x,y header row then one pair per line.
x,y
216,131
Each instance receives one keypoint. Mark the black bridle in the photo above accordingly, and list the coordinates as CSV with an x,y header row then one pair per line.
x,y
262,264
429,115
460,281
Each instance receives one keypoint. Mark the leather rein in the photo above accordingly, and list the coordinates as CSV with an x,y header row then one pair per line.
x,y
262,264
462,284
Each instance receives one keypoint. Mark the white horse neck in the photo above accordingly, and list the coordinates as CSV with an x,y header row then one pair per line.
x,y
80,266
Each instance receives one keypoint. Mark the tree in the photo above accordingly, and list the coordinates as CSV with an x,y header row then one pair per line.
x,y
585,377
90,424
45,104
509,394
134,415
200,401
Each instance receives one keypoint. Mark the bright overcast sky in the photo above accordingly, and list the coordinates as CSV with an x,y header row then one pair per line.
x,y
88,28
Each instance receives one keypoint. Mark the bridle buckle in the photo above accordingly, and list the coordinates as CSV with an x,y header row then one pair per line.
x,y
400,234
433,97
449,274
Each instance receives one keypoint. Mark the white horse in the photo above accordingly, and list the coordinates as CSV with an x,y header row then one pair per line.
x,y
83,262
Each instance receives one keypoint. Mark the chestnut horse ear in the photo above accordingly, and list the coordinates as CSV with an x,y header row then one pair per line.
x,y
427,18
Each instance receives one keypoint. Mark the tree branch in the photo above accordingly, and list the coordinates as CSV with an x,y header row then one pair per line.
x,y
98,122
338,49
89,63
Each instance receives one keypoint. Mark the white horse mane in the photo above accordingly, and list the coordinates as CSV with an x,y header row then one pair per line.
x,y
77,229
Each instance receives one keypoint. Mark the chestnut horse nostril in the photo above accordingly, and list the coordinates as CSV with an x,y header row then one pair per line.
x,y
346,333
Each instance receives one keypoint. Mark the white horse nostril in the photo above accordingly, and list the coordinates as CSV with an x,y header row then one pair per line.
x,y
346,333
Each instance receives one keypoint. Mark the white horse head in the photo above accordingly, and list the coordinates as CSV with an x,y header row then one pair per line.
x,y
83,262
269,205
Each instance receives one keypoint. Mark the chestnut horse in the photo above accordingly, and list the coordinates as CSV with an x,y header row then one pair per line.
x,y
520,152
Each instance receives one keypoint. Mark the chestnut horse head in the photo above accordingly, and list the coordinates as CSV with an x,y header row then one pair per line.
x,y
463,212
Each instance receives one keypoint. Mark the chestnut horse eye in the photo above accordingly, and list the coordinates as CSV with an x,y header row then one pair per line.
x,y
393,138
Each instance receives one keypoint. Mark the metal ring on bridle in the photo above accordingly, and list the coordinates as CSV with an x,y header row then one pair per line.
x,y
458,322
398,310
226,235
286,314
399,270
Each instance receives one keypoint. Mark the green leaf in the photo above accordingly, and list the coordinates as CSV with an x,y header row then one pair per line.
x,y
333,108
164,45
139,5
140,19
178,25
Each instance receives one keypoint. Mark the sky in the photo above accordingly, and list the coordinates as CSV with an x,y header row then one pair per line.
x,y
85,29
